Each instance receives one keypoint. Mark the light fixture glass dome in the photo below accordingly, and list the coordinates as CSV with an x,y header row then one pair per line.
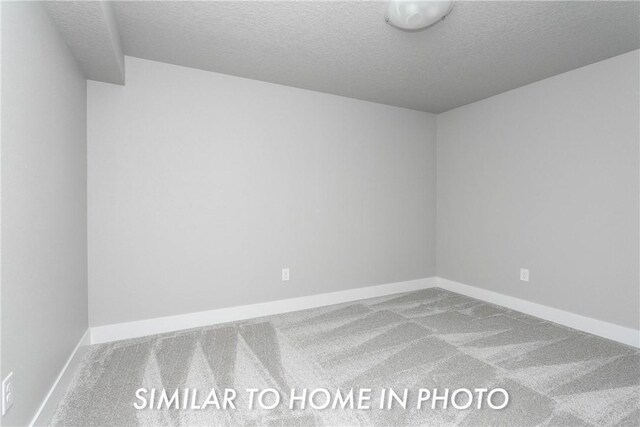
x,y
417,14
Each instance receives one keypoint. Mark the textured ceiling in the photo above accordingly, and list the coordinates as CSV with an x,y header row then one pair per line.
x,y
90,30
345,48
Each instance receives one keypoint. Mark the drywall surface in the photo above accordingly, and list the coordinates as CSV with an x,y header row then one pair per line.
x,y
44,238
545,177
203,186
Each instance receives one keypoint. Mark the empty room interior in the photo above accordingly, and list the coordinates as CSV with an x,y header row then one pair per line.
x,y
320,213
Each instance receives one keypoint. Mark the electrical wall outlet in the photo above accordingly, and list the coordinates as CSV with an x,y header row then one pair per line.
x,y
524,274
7,393
285,274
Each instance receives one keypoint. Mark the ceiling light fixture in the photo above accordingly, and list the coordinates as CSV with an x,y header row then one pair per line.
x,y
413,15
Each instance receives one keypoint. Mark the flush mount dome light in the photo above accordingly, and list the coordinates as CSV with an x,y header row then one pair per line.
x,y
415,15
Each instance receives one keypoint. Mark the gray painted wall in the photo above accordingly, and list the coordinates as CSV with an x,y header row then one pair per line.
x,y
546,177
44,261
202,186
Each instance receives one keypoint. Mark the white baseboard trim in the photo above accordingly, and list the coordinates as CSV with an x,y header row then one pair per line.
x,y
141,328
85,340
593,326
